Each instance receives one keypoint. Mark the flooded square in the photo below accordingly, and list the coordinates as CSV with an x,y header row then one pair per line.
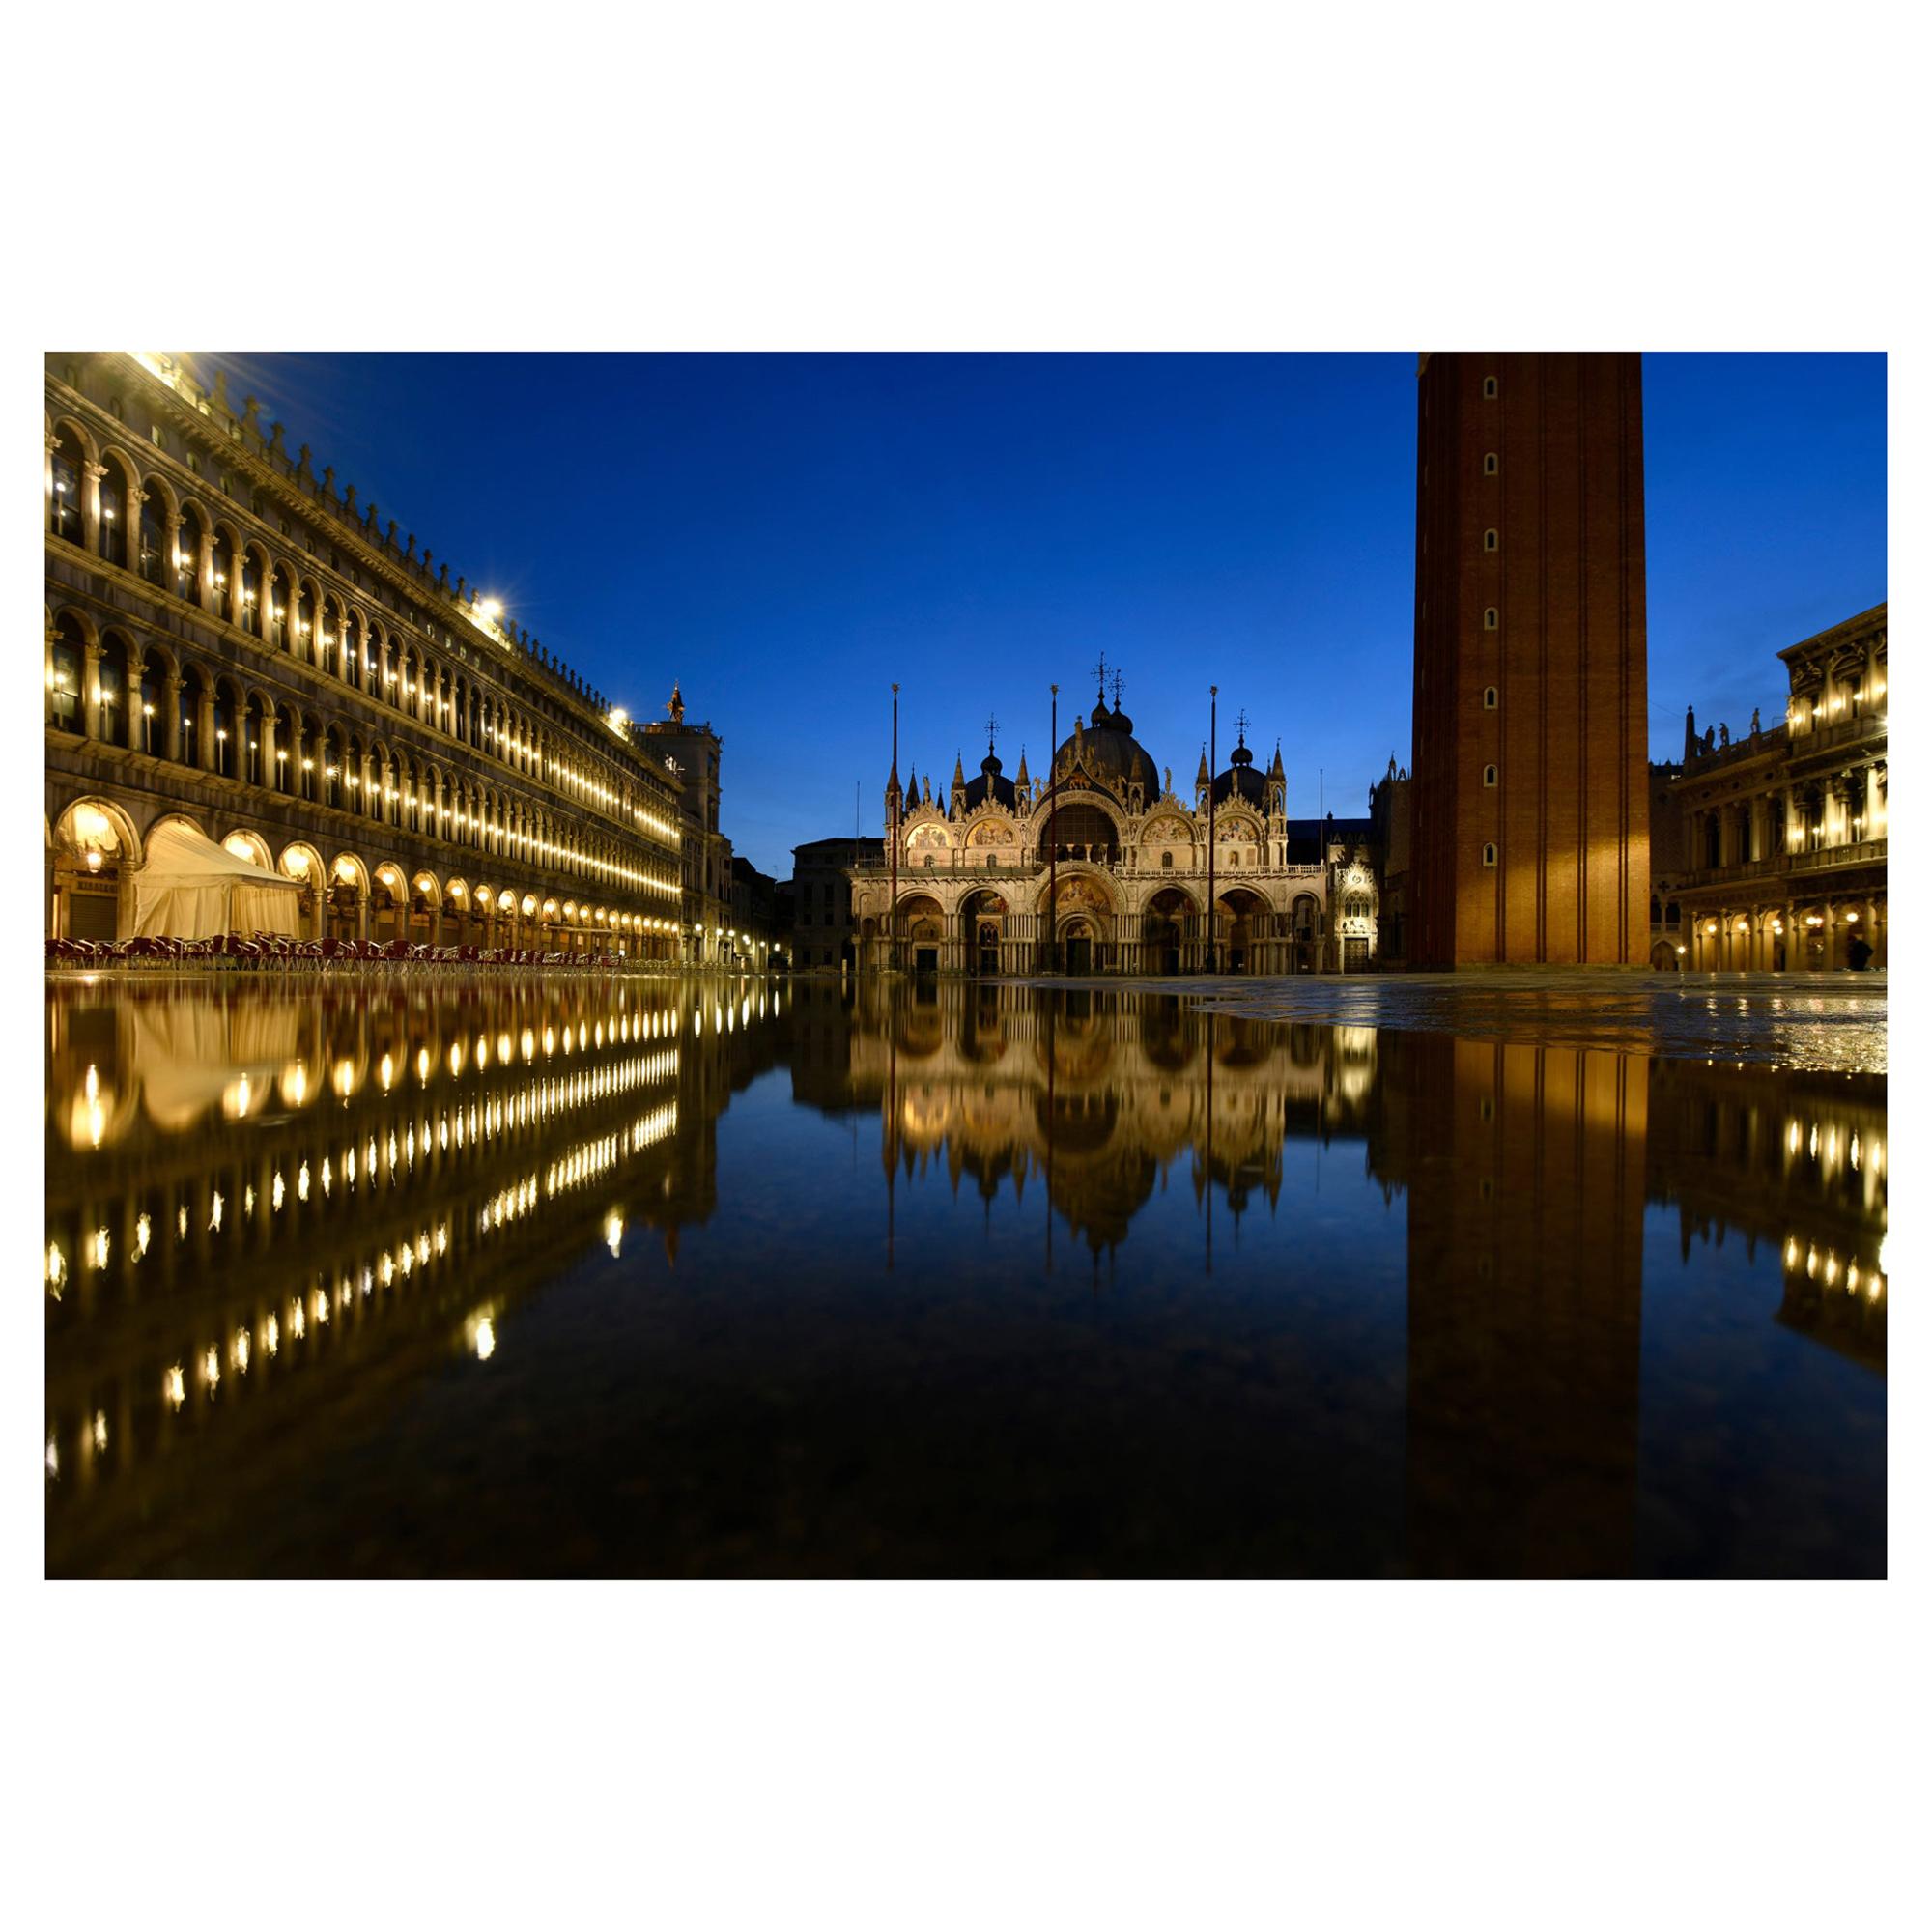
x,y
527,1275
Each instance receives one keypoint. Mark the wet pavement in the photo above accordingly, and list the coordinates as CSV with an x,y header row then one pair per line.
x,y
1824,1021
502,1275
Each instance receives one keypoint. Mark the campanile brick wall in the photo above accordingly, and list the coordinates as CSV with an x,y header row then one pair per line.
x,y
1552,463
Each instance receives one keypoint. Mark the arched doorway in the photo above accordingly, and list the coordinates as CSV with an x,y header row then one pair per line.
x,y
1240,922
984,924
92,841
1167,931
921,933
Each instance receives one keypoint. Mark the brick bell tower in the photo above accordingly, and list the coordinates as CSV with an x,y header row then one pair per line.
x,y
1530,793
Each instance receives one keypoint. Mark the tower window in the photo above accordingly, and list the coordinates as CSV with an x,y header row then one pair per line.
x,y
1488,388
1491,697
1489,774
1491,617
1490,464
1490,541
1489,855
155,434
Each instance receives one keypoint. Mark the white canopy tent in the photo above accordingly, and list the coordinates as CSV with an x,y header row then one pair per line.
x,y
189,888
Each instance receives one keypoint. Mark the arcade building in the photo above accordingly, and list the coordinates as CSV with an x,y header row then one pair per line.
x,y
244,660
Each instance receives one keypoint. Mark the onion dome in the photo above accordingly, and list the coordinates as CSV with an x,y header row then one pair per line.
x,y
1241,779
989,783
1108,750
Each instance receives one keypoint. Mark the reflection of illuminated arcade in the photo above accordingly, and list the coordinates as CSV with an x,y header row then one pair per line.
x,y
266,1214
1794,1159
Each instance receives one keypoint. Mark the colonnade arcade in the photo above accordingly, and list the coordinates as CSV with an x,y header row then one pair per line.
x,y
96,850
1801,935
1102,924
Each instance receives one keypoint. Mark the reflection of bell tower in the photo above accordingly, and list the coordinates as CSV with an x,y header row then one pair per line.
x,y
1525,1174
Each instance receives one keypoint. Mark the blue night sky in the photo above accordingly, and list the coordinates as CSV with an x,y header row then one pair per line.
x,y
787,534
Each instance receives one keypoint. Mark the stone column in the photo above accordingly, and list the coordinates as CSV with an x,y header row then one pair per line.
x,y
204,730
137,729
89,693
271,777
204,568
170,736
92,476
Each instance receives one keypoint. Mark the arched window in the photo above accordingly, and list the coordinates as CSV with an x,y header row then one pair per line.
x,y
189,539
249,594
1489,774
111,685
66,657
1167,860
153,535
188,722
306,747
1491,617
1489,855
253,750
1491,697
111,533
153,697
1492,463
227,720
65,518
1490,540
226,575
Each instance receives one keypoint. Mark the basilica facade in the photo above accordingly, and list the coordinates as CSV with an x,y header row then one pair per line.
x,y
1101,866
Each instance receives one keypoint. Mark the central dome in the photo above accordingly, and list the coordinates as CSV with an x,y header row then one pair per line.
x,y
1107,748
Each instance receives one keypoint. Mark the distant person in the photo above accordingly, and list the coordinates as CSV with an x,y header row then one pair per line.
x,y
1860,953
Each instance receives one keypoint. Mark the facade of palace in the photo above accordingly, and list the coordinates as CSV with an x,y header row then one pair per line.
x,y
1530,739
1770,848
1101,866
235,645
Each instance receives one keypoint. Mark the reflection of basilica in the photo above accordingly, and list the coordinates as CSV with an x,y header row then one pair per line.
x,y
265,1211
1139,880
1093,1097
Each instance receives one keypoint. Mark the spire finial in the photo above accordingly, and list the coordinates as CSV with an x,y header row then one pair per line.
x,y
1241,727
992,729
1119,681
1101,676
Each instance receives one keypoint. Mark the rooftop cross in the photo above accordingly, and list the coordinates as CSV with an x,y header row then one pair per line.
x,y
1101,676
992,731
1119,680
1241,727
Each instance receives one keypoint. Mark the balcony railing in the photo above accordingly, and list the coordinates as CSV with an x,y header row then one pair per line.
x,y
1867,852
1821,857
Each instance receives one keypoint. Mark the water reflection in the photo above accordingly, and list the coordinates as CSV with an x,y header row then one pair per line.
x,y
1239,1295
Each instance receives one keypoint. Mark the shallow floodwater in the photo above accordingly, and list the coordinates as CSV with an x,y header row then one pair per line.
x,y
519,1276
